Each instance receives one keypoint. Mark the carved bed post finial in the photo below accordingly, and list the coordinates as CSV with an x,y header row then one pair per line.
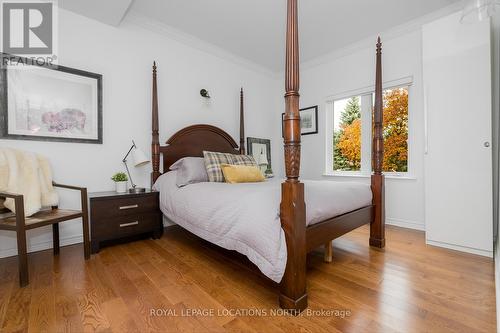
x,y
377,226
242,124
293,210
155,143
292,117
378,138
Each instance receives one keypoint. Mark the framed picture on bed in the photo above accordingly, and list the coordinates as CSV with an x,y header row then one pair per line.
x,y
308,121
260,149
49,102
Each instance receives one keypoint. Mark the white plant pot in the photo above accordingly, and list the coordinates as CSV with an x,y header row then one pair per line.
x,y
121,187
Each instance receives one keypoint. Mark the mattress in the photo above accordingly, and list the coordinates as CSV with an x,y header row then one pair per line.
x,y
245,217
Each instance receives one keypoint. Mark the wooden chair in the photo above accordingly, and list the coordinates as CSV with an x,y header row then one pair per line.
x,y
20,224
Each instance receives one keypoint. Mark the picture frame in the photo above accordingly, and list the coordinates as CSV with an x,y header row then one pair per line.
x,y
308,121
46,102
259,149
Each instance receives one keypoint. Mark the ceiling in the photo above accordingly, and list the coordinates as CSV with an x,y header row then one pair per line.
x,y
108,11
255,29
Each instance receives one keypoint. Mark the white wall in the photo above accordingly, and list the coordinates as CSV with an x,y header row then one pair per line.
x,y
124,56
402,57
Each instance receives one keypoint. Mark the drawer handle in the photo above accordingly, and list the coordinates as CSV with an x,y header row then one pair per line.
x,y
129,207
124,225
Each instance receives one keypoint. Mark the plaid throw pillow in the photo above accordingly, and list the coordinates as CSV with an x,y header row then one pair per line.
x,y
244,160
213,163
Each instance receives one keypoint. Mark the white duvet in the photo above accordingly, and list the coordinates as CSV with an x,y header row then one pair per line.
x,y
245,217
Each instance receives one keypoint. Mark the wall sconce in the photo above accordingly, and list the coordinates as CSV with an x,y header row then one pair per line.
x,y
204,93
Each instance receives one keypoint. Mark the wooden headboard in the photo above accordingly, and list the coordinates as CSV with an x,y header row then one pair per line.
x,y
191,141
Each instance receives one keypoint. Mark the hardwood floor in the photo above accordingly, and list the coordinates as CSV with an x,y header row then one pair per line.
x,y
410,287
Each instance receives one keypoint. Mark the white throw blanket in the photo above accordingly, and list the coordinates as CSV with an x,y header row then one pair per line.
x,y
28,174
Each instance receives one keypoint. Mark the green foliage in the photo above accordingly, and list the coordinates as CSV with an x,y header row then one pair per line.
x,y
351,112
119,177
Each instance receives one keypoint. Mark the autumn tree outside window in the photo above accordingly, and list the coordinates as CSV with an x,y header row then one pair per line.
x,y
349,138
347,134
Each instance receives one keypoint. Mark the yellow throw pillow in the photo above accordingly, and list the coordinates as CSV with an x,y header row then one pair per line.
x,y
242,174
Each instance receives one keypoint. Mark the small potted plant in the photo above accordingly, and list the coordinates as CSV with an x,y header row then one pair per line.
x,y
121,180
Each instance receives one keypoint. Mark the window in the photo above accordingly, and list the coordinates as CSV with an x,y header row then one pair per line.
x,y
350,132
347,134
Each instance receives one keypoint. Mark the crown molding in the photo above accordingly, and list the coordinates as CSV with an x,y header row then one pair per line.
x,y
189,40
138,20
111,12
393,33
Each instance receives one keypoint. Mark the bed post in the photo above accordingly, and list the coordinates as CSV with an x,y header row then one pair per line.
x,y
293,293
377,226
242,124
155,143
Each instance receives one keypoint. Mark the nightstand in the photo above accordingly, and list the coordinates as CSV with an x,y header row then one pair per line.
x,y
123,216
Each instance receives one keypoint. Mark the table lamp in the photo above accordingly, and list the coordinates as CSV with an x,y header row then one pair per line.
x,y
139,158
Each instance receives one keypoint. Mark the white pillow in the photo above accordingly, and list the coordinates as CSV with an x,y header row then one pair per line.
x,y
190,170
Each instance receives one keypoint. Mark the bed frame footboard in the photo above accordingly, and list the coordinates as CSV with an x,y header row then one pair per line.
x,y
192,140
299,239
377,226
293,295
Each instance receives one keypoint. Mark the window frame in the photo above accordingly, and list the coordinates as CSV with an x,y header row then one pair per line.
x,y
366,130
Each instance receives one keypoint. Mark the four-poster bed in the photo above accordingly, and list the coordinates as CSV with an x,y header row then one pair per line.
x,y
300,238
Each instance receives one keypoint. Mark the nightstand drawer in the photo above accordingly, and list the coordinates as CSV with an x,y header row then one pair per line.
x,y
117,227
124,206
123,216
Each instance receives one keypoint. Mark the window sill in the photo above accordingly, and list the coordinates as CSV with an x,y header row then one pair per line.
x,y
358,175
342,174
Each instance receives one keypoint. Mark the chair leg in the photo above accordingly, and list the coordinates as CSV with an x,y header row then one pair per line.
x,y
22,256
85,224
22,253
86,237
55,238
329,252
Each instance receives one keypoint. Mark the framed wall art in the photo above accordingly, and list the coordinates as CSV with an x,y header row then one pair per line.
x,y
308,121
260,149
49,102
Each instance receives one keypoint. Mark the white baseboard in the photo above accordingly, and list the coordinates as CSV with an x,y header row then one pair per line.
x,y
45,245
408,224
472,250
64,241
75,239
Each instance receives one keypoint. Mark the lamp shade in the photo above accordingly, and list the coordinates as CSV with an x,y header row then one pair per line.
x,y
139,157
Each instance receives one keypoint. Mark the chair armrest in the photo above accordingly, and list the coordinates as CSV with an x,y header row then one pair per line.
x,y
83,194
10,195
69,187
19,208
